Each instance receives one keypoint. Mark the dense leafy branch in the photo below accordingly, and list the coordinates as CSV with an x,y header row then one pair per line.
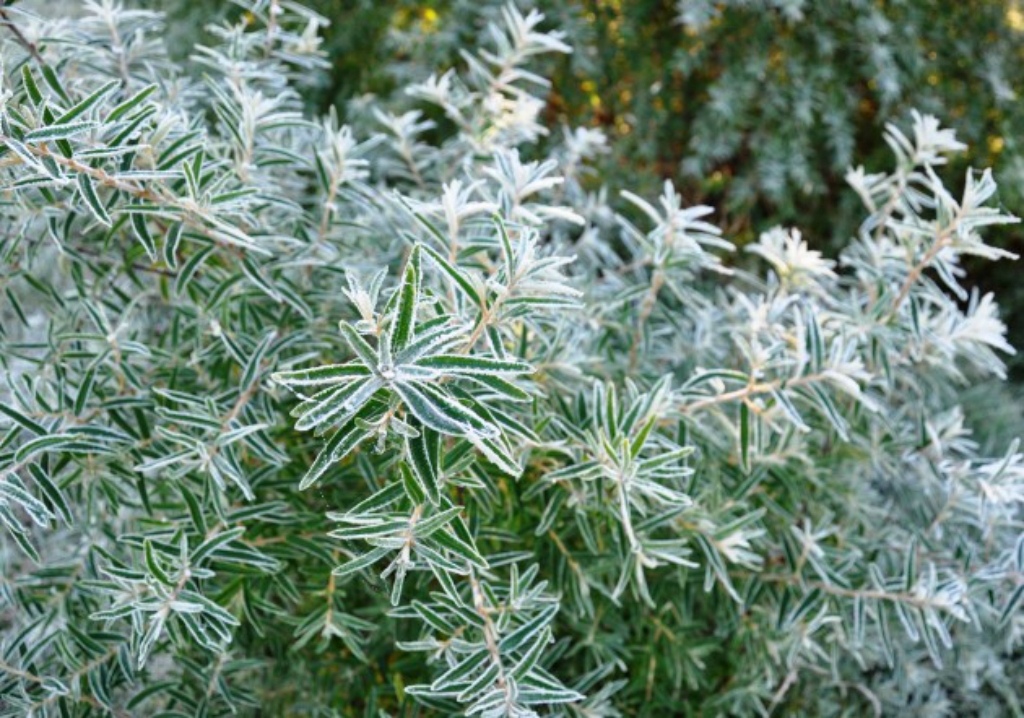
x,y
411,415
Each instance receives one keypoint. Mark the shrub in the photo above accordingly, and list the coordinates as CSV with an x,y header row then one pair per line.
x,y
303,420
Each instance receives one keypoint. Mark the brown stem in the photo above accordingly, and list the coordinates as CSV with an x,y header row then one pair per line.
x,y
646,308
750,390
19,36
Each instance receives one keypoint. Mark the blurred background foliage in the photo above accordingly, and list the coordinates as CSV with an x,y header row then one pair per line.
x,y
757,107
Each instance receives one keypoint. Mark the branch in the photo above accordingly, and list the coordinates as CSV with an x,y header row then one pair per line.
x,y
19,36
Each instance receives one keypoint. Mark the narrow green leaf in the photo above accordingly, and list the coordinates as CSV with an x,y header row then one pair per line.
x,y
467,666
321,375
413,488
22,420
171,243
31,88
339,405
209,547
482,682
360,562
529,630
142,234
87,191
459,547
474,365
745,436
428,526
458,277
52,80
422,463
366,354
440,412
340,445
52,493
253,366
84,390
191,266
52,133
153,564
131,103
85,104
408,298
1012,604
506,248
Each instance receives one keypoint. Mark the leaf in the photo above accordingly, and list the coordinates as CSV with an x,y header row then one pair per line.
x,y
255,275
474,366
58,132
706,376
10,491
188,271
17,531
58,442
467,666
458,277
30,160
51,79
1012,604
637,444
321,375
413,489
251,372
436,339
459,547
828,408
52,493
482,682
209,547
442,413
171,243
506,249
87,103
369,531
360,562
529,630
422,459
745,436
815,342
496,453
339,405
360,348
150,638
233,435
408,298
142,234
194,509
433,618
378,500
531,656
910,565
22,420
789,409
426,527
505,389
153,564
340,446
84,390
31,88
131,103
87,191
531,696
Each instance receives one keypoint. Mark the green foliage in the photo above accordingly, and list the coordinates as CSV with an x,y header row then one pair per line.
x,y
754,108
413,416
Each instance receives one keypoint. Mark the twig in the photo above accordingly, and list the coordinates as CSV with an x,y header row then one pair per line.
x,y
19,36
